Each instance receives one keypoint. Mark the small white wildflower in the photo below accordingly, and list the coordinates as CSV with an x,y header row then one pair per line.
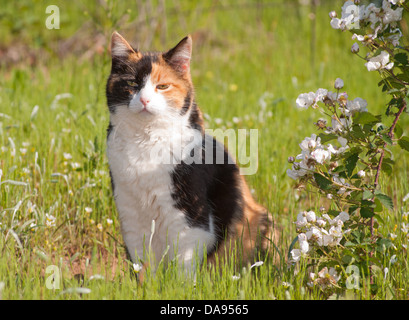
x,y
75,165
109,222
235,278
257,264
218,121
236,120
393,259
67,156
88,209
361,173
385,272
137,267
49,220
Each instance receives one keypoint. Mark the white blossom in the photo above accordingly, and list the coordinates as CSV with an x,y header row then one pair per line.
x,y
305,100
321,155
356,105
310,143
310,215
379,62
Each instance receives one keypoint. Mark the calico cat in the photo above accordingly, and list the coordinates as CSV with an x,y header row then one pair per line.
x,y
156,150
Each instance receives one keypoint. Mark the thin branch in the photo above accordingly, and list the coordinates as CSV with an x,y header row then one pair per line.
x,y
379,167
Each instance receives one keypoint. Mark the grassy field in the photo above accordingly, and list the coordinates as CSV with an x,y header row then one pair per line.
x,y
251,59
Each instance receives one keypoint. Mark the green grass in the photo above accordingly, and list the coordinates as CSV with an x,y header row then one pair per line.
x,y
53,160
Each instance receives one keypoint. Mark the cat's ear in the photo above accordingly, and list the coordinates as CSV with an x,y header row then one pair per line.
x,y
179,56
121,49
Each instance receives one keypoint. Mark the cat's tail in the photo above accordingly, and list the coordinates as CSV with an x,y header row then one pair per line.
x,y
250,238
257,230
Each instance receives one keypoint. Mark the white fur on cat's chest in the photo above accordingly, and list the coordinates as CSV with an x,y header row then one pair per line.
x,y
143,192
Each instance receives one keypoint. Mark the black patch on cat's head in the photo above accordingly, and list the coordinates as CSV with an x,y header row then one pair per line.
x,y
118,91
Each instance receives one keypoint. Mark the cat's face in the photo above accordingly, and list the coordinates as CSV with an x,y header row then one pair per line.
x,y
150,85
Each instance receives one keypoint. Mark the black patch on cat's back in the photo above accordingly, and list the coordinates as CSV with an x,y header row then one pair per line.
x,y
201,190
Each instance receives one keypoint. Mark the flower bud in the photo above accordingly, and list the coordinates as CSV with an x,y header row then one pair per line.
x,y
355,48
291,159
333,165
321,123
339,84
332,14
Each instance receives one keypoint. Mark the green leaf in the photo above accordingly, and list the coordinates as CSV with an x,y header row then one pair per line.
x,y
385,200
357,132
387,168
322,181
398,131
333,213
367,195
401,58
379,218
378,206
291,247
404,143
327,137
365,118
383,244
386,138
367,212
350,163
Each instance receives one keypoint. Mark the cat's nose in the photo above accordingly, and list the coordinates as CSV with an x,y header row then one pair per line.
x,y
144,101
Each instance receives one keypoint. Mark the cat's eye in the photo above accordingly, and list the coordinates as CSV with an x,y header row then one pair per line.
x,y
132,83
162,86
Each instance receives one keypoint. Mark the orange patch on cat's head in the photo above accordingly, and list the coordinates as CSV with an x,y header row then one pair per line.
x,y
180,91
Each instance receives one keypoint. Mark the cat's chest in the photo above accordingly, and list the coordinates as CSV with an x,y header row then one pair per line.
x,y
142,166
137,169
